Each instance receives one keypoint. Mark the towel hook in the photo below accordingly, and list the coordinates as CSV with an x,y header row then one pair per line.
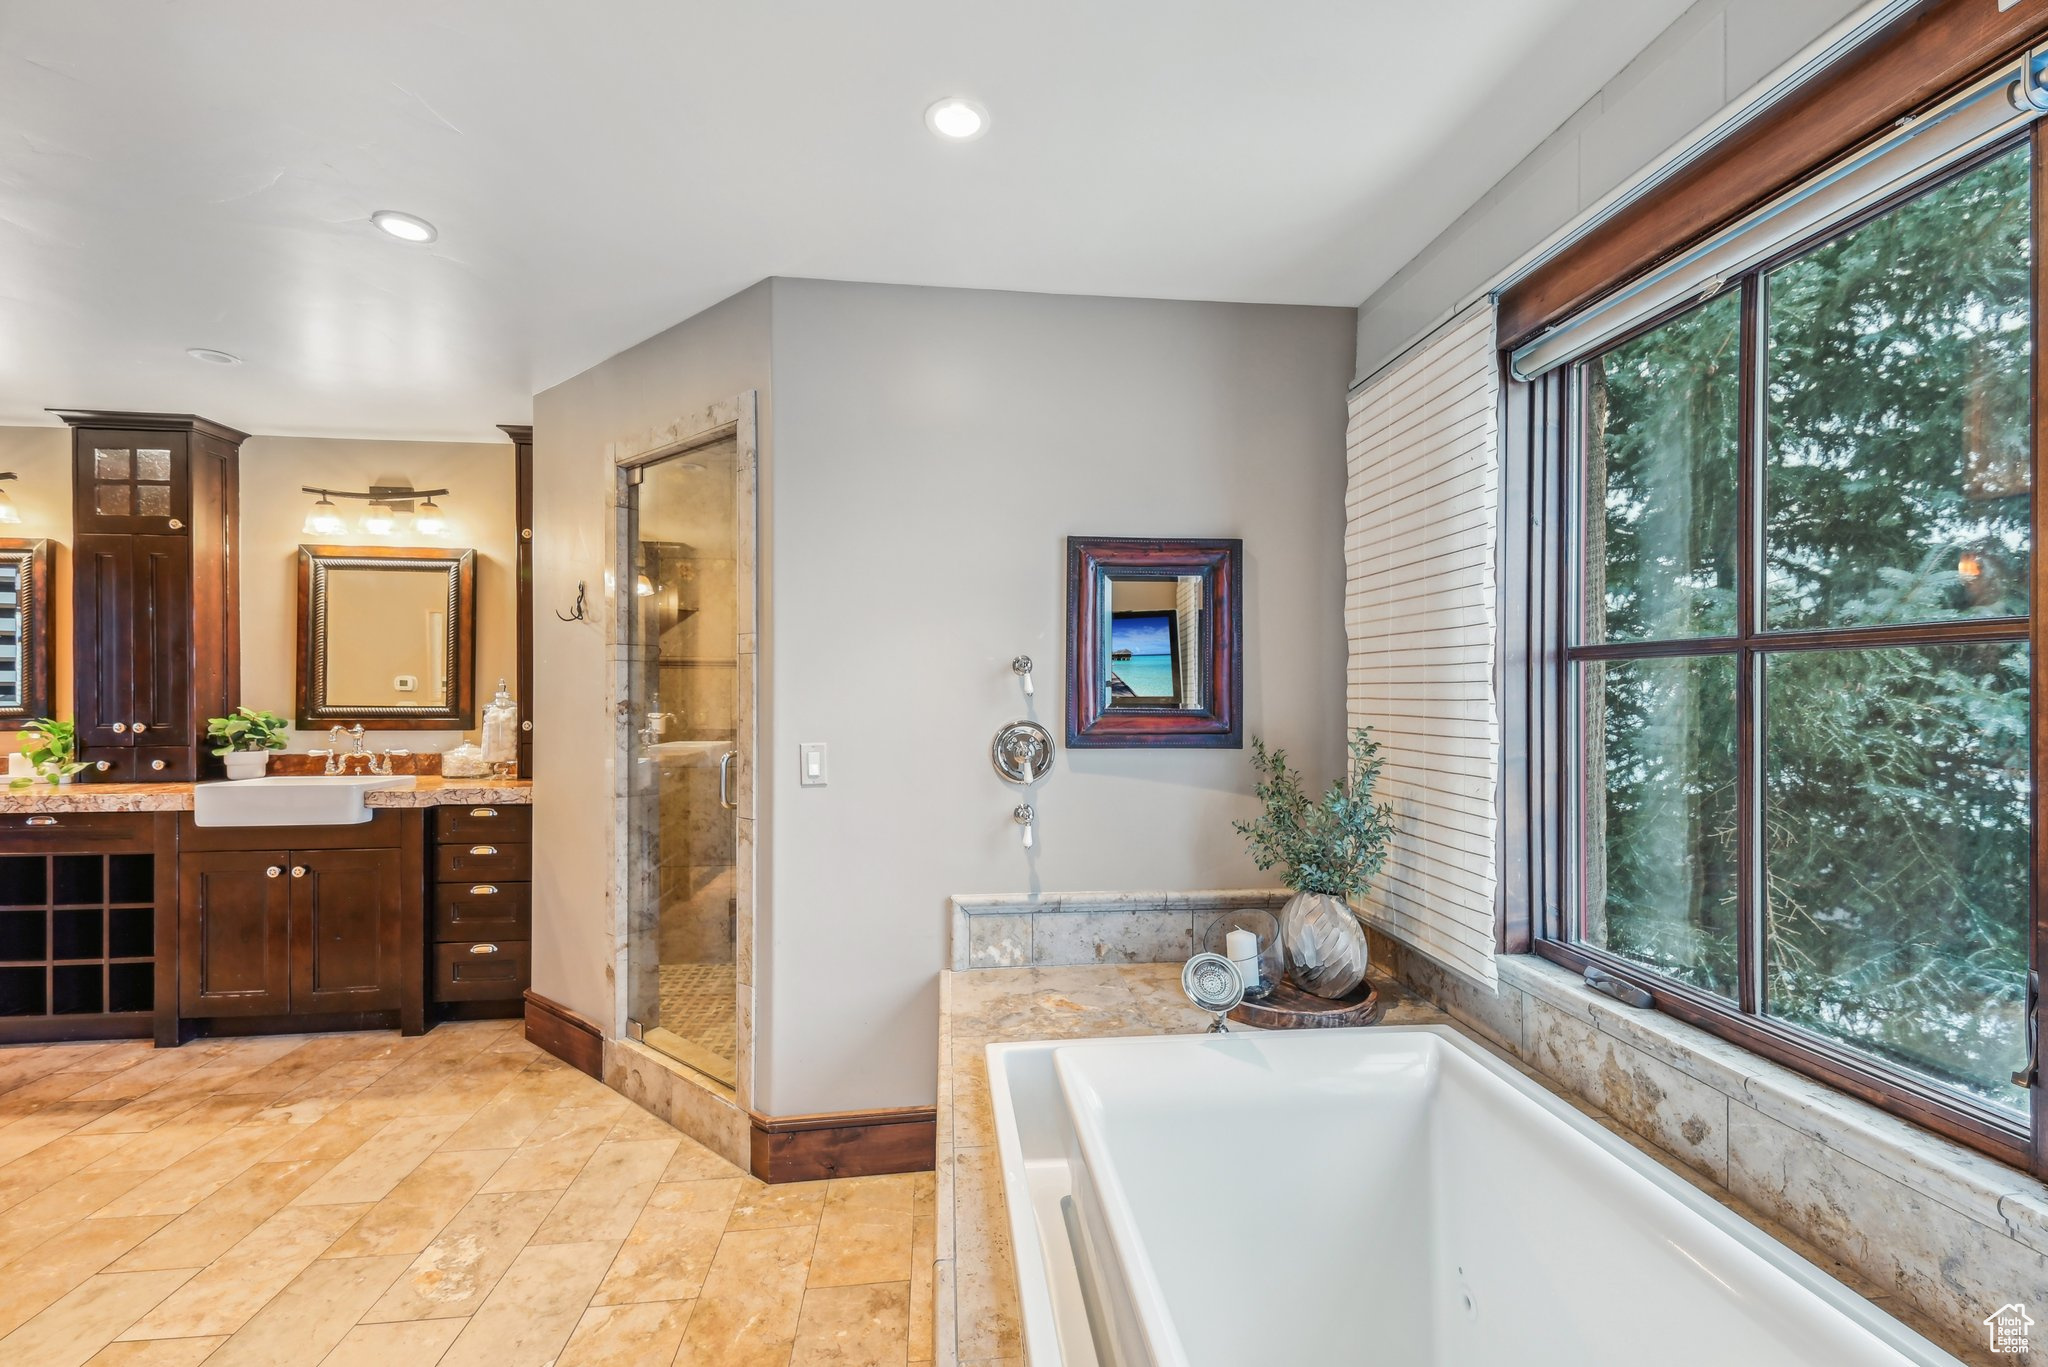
x,y
575,614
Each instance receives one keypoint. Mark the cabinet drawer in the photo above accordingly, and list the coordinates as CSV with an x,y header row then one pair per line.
x,y
23,832
483,824
483,970
483,861
483,911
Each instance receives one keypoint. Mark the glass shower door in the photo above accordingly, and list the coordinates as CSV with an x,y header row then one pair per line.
x,y
683,692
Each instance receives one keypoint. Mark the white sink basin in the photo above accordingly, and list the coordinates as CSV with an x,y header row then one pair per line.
x,y
290,800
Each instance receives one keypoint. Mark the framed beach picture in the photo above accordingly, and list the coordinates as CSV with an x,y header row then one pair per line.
x,y
1144,659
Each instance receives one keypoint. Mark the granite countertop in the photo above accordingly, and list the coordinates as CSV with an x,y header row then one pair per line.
x,y
974,1280
425,791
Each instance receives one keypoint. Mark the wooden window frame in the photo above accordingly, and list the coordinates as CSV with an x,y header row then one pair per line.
x,y
1538,708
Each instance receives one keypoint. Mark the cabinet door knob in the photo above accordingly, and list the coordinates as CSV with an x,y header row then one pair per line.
x,y
298,870
120,728
42,821
483,811
103,765
272,872
140,728
483,890
483,849
156,764
483,949
176,524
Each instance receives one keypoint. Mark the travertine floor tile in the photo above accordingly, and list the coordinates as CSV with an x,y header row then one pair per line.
x,y
747,1316
303,1323
530,1314
225,1218
853,1326
64,1261
761,1206
88,1318
452,1275
232,1288
407,1220
555,1152
155,1353
606,1197
370,1173
413,1343
371,1201
864,1234
669,1250
643,1335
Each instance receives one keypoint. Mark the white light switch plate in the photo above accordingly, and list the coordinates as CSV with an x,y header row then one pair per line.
x,y
811,757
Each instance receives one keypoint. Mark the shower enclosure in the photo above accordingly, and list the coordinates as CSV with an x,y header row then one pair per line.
x,y
685,591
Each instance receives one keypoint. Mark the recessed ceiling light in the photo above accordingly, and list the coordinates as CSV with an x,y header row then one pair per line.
x,y
957,119
406,227
212,356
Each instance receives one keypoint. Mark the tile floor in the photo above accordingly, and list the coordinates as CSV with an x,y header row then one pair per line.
x,y
458,1198
697,1003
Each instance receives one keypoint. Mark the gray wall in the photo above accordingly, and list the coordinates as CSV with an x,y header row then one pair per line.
x,y
934,448
715,355
1715,52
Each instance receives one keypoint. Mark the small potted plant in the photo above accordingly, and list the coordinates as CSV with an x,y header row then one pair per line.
x,y
244,741
1332,850
52,746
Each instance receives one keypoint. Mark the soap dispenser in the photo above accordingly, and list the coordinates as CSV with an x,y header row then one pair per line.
x,y
501,731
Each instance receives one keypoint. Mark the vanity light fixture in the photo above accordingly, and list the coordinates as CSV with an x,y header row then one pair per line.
x,y
405,227
323,518
957,118
388,503
644,587
212,355
9,514
428,519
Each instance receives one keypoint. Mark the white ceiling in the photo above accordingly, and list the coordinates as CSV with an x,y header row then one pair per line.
x,y
178,173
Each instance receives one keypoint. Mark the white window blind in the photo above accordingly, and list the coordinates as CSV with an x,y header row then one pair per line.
x,y
1420,614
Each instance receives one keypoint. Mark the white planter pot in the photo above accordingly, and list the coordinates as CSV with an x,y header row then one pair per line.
x,y
48,773
246,763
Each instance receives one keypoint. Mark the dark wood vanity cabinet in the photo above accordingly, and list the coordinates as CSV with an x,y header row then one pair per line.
x,y
155,599
483,908
296,922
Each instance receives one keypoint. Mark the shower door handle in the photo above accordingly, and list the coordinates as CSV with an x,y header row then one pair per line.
x,y
725,798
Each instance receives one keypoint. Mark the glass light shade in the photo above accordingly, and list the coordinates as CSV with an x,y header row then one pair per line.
x,y
324,519
644,587
427,519
8,512
379,521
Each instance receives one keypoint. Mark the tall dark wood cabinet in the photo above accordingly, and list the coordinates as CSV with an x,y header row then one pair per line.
x,y
156,623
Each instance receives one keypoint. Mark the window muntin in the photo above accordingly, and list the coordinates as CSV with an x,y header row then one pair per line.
x,y
1820,750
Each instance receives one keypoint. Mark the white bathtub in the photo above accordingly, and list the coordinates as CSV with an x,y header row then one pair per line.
x,y
1392,1196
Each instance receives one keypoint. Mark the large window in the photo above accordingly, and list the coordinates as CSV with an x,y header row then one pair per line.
x,y
1798,664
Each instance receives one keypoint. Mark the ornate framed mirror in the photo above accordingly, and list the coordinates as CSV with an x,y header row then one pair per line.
x,y
1154,642
24,631
387,638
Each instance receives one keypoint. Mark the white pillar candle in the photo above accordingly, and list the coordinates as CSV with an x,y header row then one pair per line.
x,y
1241,947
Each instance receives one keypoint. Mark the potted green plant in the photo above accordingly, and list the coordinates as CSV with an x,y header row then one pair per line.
x,y
52,746
1332,849
244,740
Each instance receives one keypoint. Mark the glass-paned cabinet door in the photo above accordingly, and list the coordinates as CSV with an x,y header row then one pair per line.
x,y
132,481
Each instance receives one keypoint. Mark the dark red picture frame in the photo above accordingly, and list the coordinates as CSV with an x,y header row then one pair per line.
x,y
1091,562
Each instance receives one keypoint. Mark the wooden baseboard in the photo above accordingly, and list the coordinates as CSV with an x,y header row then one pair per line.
x,y
804,1148
570,1036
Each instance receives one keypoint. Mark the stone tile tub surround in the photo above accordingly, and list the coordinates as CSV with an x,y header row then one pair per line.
x,y
1938,1234
1076,928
